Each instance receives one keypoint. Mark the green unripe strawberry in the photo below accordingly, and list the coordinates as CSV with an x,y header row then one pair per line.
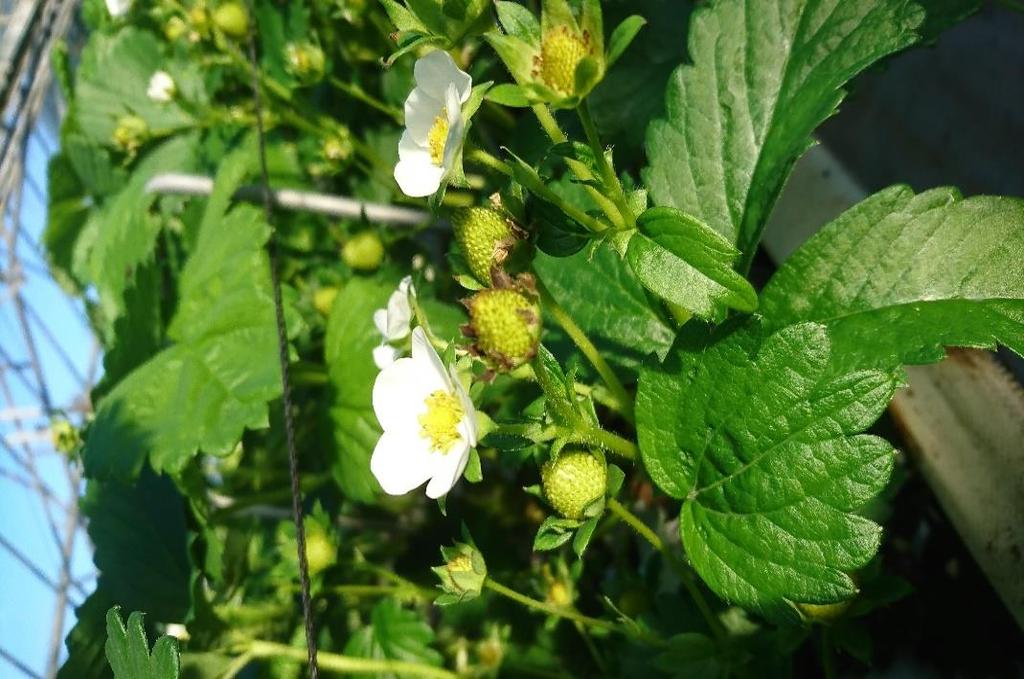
x,y
363,251
561,52
506,325
323,300
321,553
485,236
175,28
572,481
233,19
305,61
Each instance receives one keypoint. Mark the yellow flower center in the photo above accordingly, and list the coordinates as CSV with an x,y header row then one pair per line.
x,y
437,137
560,52
440,423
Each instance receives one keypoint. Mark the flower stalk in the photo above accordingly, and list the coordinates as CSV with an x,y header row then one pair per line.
x,y
588,349
682,569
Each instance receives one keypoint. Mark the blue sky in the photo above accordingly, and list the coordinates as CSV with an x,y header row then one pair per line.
x,y
26,604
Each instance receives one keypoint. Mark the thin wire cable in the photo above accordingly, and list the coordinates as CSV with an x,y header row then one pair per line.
x,y
282,346
17,664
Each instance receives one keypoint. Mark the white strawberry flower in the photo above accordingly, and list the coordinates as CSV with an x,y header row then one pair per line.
x,y
161,87
393,323
434,127
118,8
428,420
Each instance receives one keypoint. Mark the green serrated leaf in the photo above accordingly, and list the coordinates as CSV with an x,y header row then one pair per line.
x,y
900,276
125,232
402,18
760,441
140,544
764,76
66,214
112,80
518,21
128,650
216,380
85,642
351,338
395,633
603,295
682,260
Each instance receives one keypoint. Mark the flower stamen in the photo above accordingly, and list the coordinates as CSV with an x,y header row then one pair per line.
x,y
437,137
440,423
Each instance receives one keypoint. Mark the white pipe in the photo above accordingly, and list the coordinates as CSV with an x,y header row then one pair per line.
x,y
292,199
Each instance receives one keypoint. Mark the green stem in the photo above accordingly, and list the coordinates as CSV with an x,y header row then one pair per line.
x,y
548,122
592,436
481,157
237,665
406,591
683,570
570,613
343,664
588,349
359,94
544,607
534,183
828,661
607,173
582,172
606,440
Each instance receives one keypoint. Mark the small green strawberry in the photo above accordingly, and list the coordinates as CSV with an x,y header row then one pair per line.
x,y
572,481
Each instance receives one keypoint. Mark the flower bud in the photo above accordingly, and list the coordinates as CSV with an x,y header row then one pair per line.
x,y
305,61
363,251
338,147
199,20
506,325
65,436
175,28
131,132
486,236
233,19
572,481
463,574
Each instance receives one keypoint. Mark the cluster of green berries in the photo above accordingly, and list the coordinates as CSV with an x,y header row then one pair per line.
x,y
504,316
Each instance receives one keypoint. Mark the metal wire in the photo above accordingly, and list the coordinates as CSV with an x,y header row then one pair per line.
x,y
282,346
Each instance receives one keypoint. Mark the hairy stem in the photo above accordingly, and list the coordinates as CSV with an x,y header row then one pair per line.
x,y
592,436
359,94
344,664
607,173
681,568
606,440
582,172
588,349
570,613
481,157
560,611
535,184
